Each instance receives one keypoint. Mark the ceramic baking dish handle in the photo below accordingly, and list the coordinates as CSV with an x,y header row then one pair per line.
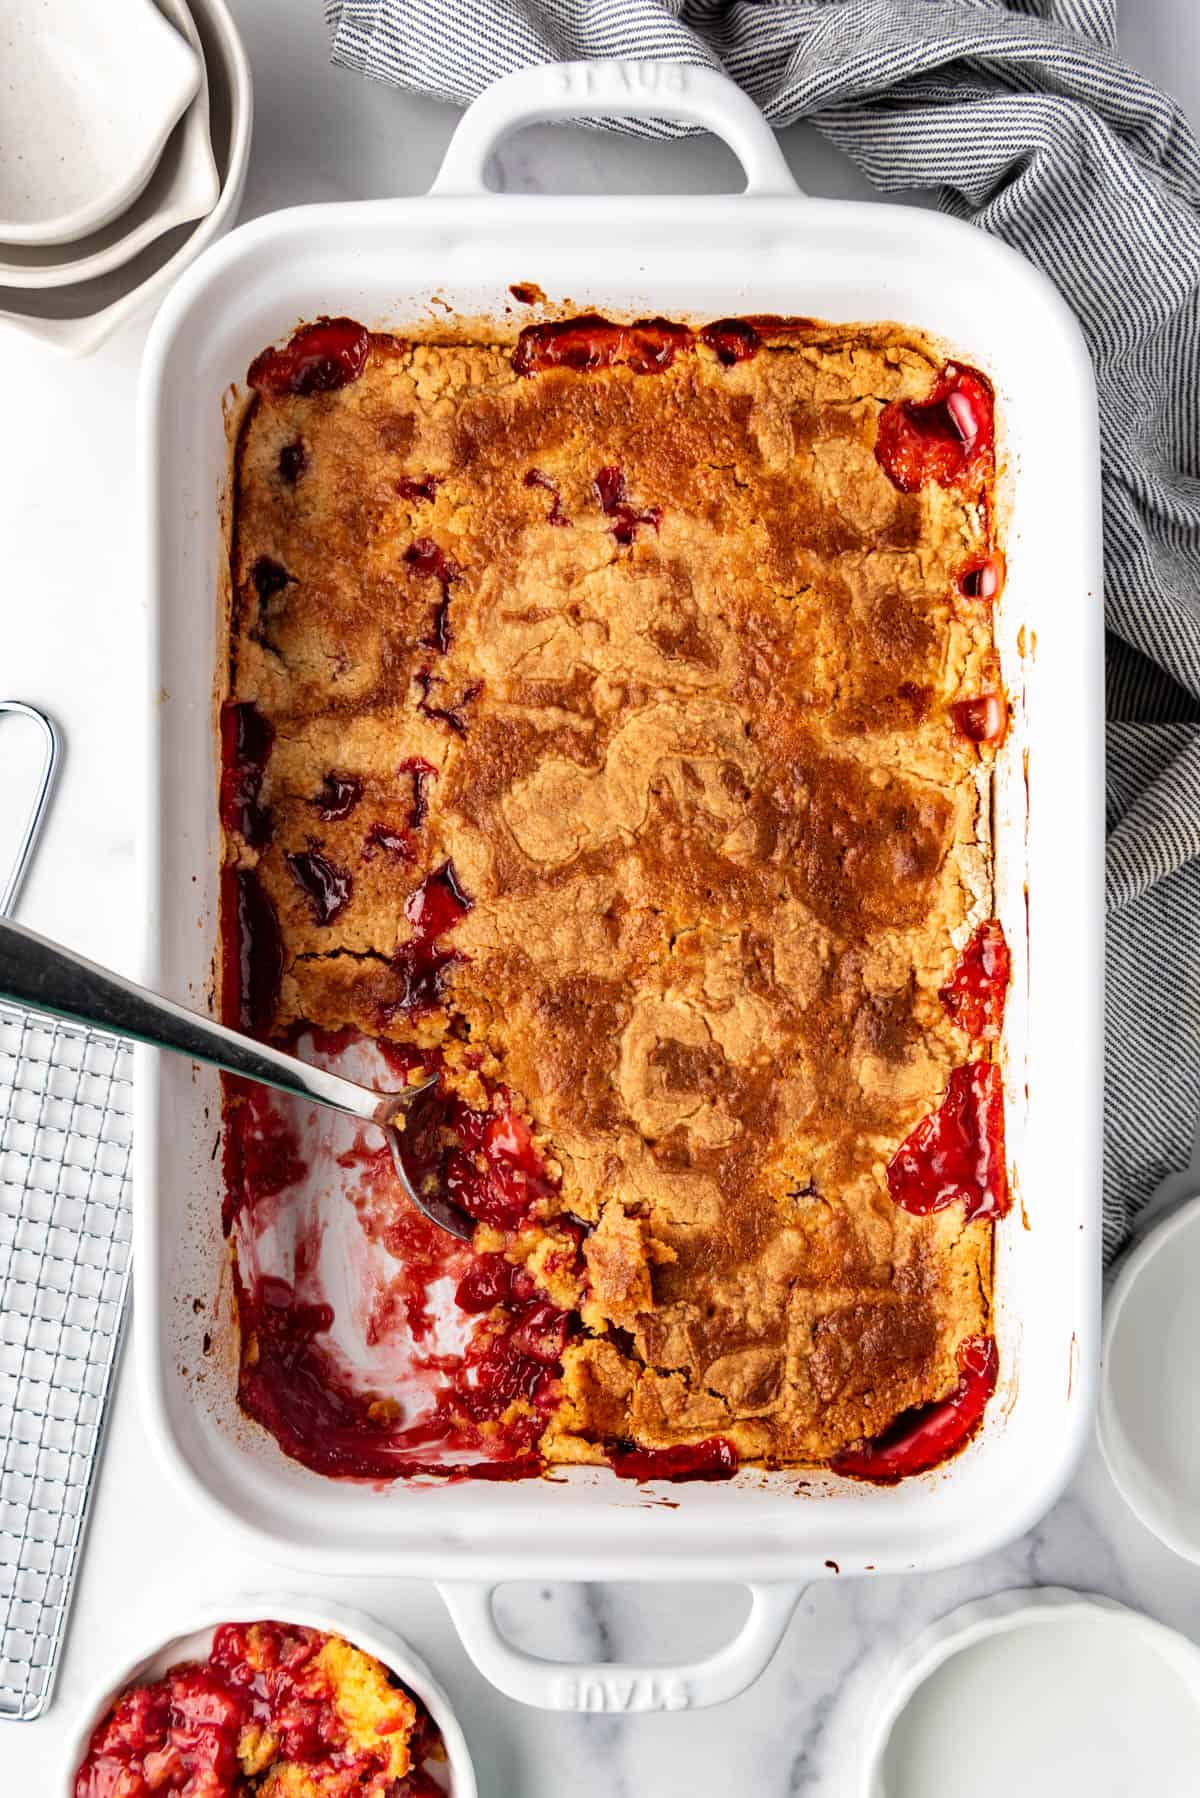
x,y
638,90
610,1685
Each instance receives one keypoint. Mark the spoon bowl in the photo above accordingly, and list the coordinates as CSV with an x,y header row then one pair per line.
x,y
43,976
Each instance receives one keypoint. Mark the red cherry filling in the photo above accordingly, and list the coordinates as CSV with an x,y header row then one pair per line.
x,y
538,478
452,715
436,907
983,719
326,886
293,461
422,773
424,557
731,340
612,493
591,342
246,739
716,1458
410,487
944,438
181,1733
391,842
262,1153
338,796
975,992
981,577
492,1281
957,1152
930,1434
251,953
319,358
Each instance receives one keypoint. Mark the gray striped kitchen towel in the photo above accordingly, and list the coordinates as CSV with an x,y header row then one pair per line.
x,y
1026,121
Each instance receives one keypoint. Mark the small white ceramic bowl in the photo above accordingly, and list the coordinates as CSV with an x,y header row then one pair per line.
x,y
91,94
1047,1693
184,186
1148,1419
194,1639
78,318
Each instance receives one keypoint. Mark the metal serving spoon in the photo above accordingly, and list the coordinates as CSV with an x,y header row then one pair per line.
x,y
43,976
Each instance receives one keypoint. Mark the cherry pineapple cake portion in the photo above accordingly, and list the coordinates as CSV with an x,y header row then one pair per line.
x,y
609,728
275,1710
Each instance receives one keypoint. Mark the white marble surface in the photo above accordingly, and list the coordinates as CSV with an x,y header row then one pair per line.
x,y
71,617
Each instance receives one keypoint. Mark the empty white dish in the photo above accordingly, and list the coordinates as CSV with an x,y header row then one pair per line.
x,y
1044,1693
90,95
192,1639
76,319
1149,1413
183,186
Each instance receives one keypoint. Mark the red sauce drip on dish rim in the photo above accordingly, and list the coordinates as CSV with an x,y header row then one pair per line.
x,y
957,1152
930,1434
975,993
948,437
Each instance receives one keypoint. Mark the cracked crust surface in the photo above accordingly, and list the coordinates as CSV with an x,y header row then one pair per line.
x,y
702,787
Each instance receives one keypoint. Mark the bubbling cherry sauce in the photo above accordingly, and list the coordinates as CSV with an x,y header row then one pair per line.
x,y
983,719
293,461
731,340
929,1434
251,953
424,557
325,885
590,342
982,577
422,773
415,487
947,438
613,495
246,739
453,716
379,840
319,358
975,992
716,1458
537,477
957,1152
422,963
180,1734
337,797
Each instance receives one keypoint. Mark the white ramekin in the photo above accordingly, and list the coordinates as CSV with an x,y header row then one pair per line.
x,y
191,1638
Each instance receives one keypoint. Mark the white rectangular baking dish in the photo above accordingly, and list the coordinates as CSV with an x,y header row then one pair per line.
x,y
768,250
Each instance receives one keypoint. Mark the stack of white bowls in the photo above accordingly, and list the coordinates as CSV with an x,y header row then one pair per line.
x,y
124,140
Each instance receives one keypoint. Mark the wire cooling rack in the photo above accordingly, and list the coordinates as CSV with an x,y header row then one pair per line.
x,y
65,1227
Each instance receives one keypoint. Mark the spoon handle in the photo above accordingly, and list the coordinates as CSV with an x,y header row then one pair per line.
x,y
43,976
